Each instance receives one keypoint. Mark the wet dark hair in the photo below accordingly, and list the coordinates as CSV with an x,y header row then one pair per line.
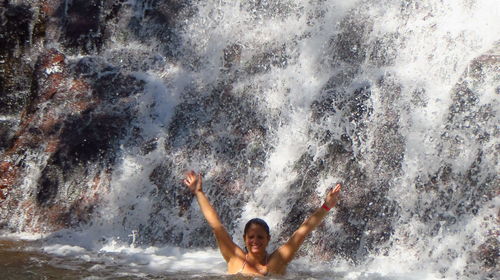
x,y
256,221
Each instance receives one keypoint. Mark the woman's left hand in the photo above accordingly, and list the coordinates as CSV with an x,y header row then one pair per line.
x,y
193,181
333,196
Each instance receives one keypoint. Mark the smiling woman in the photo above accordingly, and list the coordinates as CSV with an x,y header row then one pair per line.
x,y
255,260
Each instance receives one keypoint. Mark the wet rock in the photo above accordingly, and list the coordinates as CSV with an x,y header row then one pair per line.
x,y
49,77
270,9
50,7
222,126
488,253
7,131
71,122
350,44
262,62
175,197
15,70
159,19
83,26
9,176
15,27
382,51
469,124
232,55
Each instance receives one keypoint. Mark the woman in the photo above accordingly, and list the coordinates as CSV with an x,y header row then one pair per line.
x,y
256,260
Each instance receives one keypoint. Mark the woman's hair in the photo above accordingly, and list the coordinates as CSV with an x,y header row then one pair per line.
x,y
259,222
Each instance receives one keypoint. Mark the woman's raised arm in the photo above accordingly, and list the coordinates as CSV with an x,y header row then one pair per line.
x,y
285,253
226,245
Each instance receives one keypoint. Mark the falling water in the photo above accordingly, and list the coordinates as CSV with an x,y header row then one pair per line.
x,y
106,103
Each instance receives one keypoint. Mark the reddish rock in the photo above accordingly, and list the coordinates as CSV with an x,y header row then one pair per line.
x,y
52,145
50,73
54,218
80,96
54,81
41,129
49,7
53,84
52,58
489,251
68,129
48,122
31,214
79,86
8,176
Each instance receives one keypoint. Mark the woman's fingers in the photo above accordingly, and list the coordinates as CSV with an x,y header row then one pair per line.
x,y
335,189
188,182
192,180
333,195
190,173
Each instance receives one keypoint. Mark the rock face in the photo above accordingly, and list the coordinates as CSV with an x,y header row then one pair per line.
x,y
70,130
63,119
91,88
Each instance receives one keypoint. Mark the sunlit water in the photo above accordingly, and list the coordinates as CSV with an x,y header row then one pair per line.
x,y
40,259
382,80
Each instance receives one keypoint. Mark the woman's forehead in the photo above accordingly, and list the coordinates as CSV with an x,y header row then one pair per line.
x,y
255,228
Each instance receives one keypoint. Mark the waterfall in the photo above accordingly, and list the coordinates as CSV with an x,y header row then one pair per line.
x,y
105,105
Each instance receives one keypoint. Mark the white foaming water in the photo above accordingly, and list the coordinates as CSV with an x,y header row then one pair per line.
x,y
147,260
425,50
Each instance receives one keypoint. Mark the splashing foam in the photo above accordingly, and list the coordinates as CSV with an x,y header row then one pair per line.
x,y
388,73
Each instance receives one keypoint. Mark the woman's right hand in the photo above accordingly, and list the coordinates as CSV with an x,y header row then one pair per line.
x,y
193,181
333,196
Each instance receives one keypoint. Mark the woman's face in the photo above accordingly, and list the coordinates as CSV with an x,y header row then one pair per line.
x,y
256,239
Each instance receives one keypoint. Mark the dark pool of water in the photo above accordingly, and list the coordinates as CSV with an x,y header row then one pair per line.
x,y
21,259
25,260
